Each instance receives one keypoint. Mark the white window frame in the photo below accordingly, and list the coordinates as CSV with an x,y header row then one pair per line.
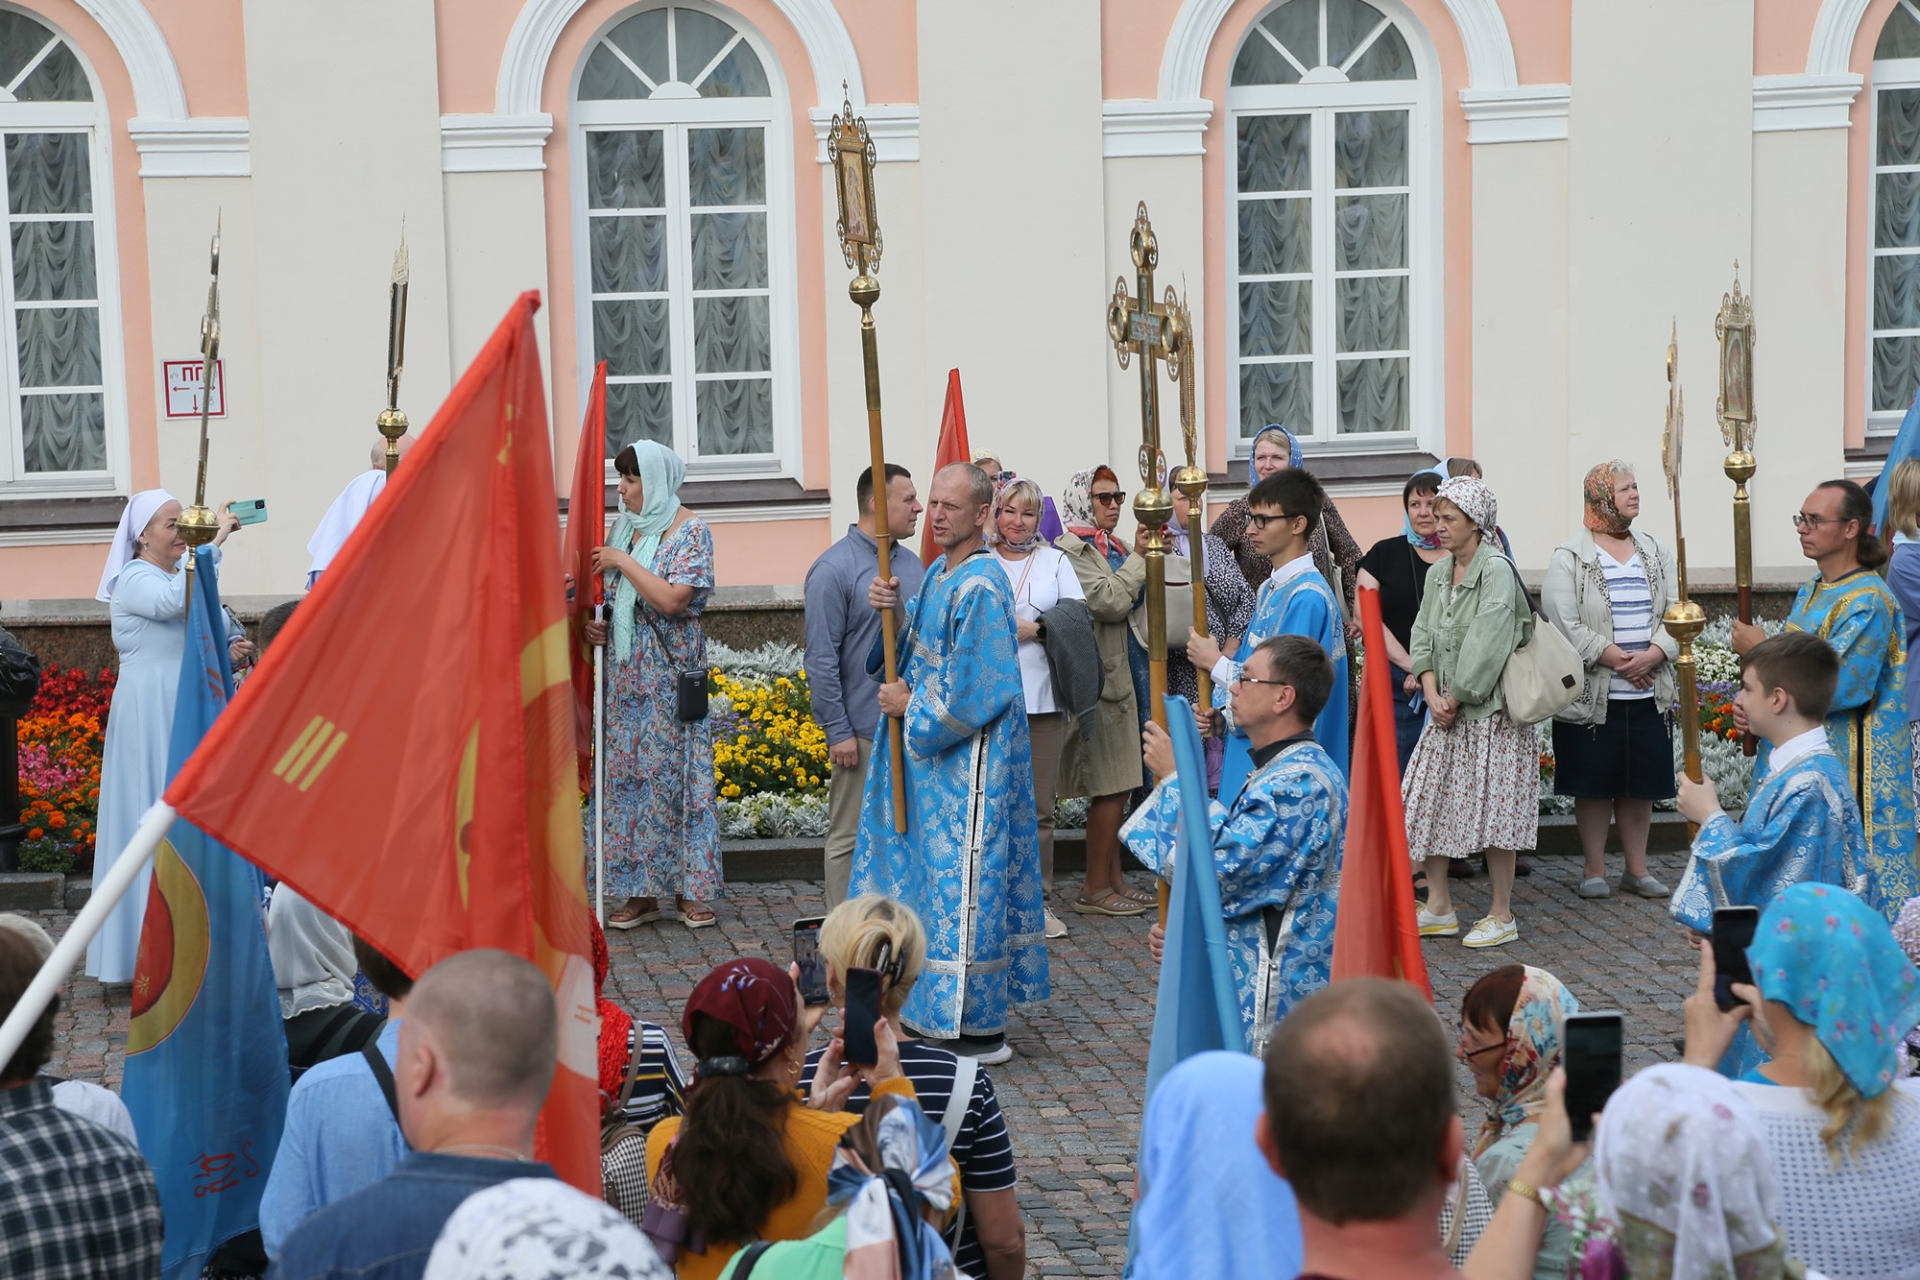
x,y
674,116
89,118
1426,357
1889,73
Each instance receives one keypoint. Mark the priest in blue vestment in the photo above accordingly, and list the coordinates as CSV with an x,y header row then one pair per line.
x,y
969,862
1277,841
1284,509
1848,606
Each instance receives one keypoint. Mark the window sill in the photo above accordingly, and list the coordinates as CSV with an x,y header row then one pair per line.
x,y
1343,474
766,498
44,513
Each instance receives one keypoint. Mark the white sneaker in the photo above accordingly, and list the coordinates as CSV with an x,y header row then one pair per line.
x,y
1432,926
1492,933
1056,927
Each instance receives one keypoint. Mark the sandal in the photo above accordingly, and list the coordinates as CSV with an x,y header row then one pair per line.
x,y
695,915
1114,904
1146,898
631,915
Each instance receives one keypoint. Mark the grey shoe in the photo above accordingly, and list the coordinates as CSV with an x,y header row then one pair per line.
x,y
1645,886
1594,887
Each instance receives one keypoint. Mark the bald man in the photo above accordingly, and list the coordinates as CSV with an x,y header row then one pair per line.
x,y
344,516
477,1052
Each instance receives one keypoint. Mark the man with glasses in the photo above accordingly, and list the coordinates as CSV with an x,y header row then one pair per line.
x,y
1283,510
1276,843
1848,605
969,862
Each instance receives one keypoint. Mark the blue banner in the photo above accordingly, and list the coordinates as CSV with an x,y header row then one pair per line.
x,y
206,1076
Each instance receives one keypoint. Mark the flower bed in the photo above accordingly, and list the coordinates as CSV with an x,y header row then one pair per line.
x,y
61,739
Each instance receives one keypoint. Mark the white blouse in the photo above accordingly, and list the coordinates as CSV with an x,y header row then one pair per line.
x,y
1039,582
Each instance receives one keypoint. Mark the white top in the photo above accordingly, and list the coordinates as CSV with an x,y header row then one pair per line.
x,y
341,519
1858,1220
1632,603
1793,748
1039,582
91,1102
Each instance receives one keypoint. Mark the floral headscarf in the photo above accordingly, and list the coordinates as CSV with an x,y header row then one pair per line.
x,y
894,1136
1474,499
1076,508
1429,542
1685,1174
1906,932
755,999
1533,1051
1275,432
1833,961
1016,489
1601,515
527,1227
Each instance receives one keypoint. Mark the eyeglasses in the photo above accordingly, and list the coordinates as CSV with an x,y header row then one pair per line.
x,y
1244,678
1485,1048
1259,521
1116,497
1802,521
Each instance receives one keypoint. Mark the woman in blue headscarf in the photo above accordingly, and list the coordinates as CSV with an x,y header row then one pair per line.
x,y
660,811
1332,546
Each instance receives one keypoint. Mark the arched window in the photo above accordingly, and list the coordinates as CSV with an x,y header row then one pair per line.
x,y
63,396
683,187
1893,366
1335,280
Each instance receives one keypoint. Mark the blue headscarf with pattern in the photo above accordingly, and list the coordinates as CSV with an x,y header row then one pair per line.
x,y
661,472
1432,542
1834,962
1273,431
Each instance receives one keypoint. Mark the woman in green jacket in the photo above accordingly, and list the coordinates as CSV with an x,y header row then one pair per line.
x,y
1474,780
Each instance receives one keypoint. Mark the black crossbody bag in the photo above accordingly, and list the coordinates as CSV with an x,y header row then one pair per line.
x,y
690,685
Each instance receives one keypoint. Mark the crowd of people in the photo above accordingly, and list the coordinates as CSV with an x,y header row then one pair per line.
x,y
1781,1146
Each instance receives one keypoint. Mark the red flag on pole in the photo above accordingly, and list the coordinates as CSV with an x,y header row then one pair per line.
x,y
1376,934
586,529
953,448
405,757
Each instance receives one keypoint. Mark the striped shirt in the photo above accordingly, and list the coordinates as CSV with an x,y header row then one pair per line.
x,y
1632,603
982,1151
661,1086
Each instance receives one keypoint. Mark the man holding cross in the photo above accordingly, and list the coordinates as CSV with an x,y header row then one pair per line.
x,y
969,861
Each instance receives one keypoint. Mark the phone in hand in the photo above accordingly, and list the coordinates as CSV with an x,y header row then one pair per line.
x,y
863,1010
1594,1043
249,510
813,966
1733,930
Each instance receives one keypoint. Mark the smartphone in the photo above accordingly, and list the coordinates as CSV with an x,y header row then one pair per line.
x,y
1733,930
1594,1043
863,1010
250,510
806,954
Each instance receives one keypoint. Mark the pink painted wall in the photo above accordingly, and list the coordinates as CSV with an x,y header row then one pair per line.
x,y
1782,30
473,36
1859,198
770,552
1456,282
1133,40
51,573
1542,35
208,40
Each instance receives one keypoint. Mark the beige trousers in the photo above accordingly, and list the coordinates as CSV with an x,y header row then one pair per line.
x,y
844,790
1045,729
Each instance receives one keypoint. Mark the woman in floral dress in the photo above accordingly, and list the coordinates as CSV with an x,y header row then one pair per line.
x,y
662,818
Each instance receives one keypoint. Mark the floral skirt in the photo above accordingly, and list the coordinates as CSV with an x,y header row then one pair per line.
x,y
1472,787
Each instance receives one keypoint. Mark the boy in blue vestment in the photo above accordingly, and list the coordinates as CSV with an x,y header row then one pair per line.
x,y
1284,510
1277,840
1801,823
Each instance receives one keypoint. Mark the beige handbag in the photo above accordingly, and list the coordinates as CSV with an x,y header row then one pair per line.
x,y
1544,675
1179,607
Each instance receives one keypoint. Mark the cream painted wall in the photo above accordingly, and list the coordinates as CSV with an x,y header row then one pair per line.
x,y
1798,280
333,174
1171,187
496,250
1014,225
1661,193
1520,355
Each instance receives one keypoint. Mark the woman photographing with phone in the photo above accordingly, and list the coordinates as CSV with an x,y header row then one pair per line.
x,y
871,933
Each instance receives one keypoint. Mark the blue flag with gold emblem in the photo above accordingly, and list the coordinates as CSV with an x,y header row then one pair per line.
x,y
206,1076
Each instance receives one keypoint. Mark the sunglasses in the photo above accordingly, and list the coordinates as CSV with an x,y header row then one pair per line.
x,y
1116,497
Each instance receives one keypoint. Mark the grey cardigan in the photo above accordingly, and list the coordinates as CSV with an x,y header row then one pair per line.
x,y
1073,658
1574,598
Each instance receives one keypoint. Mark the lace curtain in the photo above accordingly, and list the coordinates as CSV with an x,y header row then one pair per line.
x,y
58,346
732,332
1896,225
1370,235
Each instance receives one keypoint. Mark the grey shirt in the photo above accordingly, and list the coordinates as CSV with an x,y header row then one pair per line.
x,y
842,629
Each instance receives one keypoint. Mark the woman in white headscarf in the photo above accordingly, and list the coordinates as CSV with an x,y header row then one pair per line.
x,y
661,812
147,597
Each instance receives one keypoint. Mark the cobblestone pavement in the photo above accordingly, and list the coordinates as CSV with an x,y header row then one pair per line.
x,y
1071,1095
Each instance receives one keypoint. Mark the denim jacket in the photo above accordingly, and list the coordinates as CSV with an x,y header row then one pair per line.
x,y
1465,634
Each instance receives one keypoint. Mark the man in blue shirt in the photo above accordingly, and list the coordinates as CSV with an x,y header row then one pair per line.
x,y
476,1056
841,630
341,1134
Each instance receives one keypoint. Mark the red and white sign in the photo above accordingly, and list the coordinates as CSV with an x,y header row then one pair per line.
x,y
183,388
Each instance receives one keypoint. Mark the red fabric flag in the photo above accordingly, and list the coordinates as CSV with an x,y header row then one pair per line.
x,y
586,529
1376,934
953,448
404,758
